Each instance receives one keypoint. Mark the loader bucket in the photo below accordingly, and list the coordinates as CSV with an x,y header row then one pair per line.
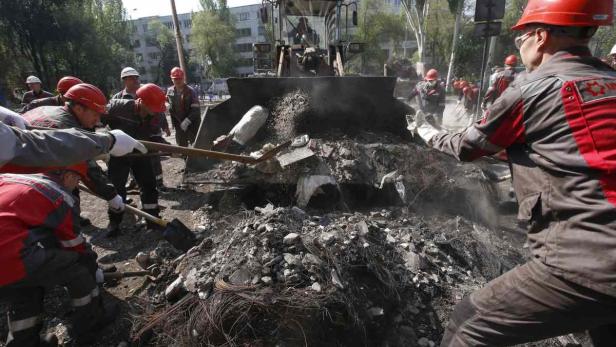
x,y
348,104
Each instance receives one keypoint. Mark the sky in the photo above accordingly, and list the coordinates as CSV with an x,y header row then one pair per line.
x,y
145,8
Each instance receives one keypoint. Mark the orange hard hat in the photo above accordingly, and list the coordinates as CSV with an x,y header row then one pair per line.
x,y
431,75
569,13
177,72
88,96
66,82
152,96
511,60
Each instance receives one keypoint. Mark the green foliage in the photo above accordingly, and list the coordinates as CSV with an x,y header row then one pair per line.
x,y
213,39
376,26
439,29
52,38
162,38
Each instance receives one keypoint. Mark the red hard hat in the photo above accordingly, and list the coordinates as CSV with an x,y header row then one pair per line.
x,y
66,82
511,60
570,13
176,72
81,169
88,96
152,96
431,75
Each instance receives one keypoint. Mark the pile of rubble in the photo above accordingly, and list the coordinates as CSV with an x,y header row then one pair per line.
x,y
281,276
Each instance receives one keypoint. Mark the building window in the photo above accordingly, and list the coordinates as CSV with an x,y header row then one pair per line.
x,y
136,44
154,55
243,32
188,23
169,25
145,27
244,16
150,41
139,57
187,38
243,47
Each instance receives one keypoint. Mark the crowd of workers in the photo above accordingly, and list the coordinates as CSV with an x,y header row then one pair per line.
x,y
555,122
48,148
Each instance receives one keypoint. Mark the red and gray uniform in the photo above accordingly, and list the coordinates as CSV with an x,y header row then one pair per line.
x,y
50,101
50,148
30,96
502,81
123,114
184,104
39,248
430,99
61,118
557,126
157,124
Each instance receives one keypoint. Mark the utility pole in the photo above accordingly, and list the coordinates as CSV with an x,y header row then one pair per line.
x,y
178,37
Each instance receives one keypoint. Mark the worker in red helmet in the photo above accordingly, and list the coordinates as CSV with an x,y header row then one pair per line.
x,y
83,109
134,118
158,124
184,108
502,80
430,96
64,84
41,248
556,124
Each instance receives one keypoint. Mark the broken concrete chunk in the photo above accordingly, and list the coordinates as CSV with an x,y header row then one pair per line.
x,y
176,289
316,287
311,259
292,259
336,279
241,276
362,228
390,239
266,280
290,239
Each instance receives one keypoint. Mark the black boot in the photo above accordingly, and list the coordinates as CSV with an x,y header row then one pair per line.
x,y
100,317
115,219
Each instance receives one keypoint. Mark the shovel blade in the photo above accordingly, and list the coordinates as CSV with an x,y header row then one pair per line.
x,y
179,236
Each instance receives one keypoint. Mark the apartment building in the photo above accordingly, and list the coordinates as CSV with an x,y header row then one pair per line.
x,y
248,27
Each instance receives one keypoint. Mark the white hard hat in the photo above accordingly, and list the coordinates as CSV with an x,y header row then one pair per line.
x,y
613,51
33,79
128,71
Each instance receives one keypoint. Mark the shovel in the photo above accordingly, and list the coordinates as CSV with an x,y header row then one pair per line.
x,y
171,149
154,146
175,232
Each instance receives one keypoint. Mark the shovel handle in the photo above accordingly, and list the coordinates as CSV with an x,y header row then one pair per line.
x,y
119,275
154,146
137,212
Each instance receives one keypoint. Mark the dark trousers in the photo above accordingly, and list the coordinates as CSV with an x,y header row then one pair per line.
x,y
141,167
157,166
527,304
25,297
185,138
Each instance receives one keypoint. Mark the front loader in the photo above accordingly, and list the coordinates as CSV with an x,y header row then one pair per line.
x,y
308,51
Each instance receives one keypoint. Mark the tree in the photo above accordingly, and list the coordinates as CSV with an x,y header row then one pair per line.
x,y
214,37
457,8
52,38
162,38
416,12
376,26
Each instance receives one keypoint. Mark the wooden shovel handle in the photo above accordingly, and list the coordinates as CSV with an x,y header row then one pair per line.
x,y
154,146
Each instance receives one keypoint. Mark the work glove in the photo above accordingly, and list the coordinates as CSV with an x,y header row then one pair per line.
x,y
185,124
418,125
116,204
124,144
11,118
